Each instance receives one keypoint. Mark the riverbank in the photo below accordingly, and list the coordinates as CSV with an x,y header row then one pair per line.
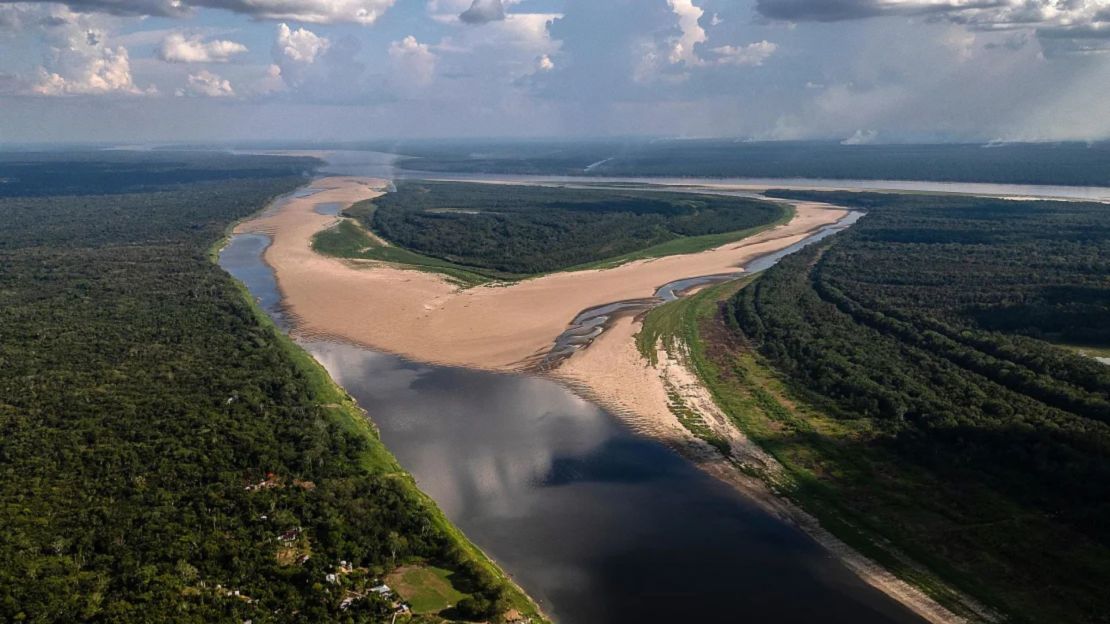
x,y
350,417
654,377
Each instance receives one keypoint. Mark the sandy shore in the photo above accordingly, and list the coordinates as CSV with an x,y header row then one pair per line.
x,y
421,316
614,374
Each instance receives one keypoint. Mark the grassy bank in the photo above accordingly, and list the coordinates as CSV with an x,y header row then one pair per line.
x,y
808,444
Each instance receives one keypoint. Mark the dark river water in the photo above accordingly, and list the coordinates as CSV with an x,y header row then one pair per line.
x,y
598,524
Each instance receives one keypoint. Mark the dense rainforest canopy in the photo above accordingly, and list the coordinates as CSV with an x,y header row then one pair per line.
x,y
533,229
974,444
165,455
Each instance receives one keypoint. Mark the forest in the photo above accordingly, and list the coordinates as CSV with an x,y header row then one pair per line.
x,y
1068,163
165,453
934,411
521,230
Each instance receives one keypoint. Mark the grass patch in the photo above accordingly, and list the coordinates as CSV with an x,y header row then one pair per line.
x,y
427,588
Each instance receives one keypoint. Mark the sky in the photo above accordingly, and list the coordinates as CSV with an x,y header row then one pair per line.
x,y
859,71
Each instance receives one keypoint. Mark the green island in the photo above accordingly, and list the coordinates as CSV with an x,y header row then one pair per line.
x,y
166,453
475,232
904,375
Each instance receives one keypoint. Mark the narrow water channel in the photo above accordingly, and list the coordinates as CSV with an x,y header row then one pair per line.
x,y
597,523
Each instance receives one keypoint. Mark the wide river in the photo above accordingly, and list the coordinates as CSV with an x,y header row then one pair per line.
x,y
597,523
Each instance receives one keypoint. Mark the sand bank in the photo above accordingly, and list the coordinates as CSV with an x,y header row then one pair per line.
x,y
614,374
499,327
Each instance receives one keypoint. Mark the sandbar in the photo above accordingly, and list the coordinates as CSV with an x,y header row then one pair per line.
x,y
424,317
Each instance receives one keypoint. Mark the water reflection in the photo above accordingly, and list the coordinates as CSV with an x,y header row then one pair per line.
x,y
597,523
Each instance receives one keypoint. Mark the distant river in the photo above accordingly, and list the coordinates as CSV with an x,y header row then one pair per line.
x,y
382,165
597,523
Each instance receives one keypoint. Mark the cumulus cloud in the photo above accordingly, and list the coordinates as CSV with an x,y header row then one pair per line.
x,y
177,48
413,63
682,47
753,54
107,70
295,51
309,11
80,60
1084,23
483,11
207,84
544,63
301,45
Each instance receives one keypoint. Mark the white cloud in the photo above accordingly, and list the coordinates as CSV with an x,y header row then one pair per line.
x,y
108,70
177,48
309,11
301,45
545,63
295,52
753,54
413,63
80,59
682,47
205,83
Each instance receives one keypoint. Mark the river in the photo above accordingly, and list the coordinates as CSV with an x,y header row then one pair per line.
x,y
597,523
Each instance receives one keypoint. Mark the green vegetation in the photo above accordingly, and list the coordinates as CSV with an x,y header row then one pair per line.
x,y
166,453
427,588
506,232
348,239
799,437
875,369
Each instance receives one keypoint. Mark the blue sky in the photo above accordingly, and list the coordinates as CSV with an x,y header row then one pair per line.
x,y
854,70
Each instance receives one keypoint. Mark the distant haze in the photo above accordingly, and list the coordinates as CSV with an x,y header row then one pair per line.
x,y
857,71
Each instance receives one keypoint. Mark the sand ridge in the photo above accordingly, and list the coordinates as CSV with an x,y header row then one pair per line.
x,y
424,317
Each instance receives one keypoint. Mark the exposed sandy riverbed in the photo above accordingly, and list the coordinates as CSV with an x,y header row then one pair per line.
x,y
421,316
425,318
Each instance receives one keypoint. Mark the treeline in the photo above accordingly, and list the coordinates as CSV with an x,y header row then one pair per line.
x,y
1070,163
534,229
25,174
164,454
987,452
